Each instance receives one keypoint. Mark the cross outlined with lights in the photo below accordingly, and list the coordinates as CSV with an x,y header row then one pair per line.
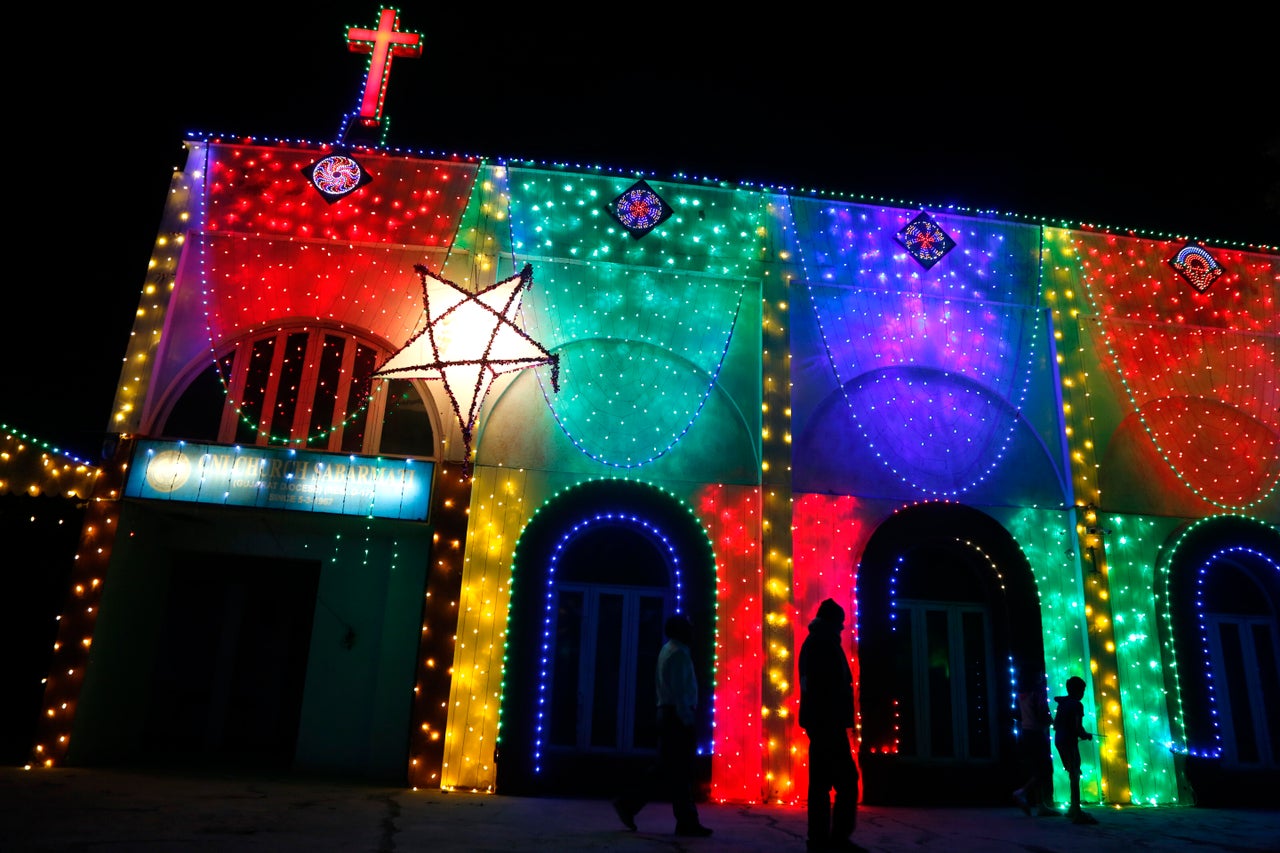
x,y
382,44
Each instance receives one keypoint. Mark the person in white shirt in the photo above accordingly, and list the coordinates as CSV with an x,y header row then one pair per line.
x,y
677,695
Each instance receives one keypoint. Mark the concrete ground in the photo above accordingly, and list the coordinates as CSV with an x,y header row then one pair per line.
x,y
79,809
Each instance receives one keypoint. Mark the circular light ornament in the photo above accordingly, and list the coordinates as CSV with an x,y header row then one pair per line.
x,y
639,209
337,176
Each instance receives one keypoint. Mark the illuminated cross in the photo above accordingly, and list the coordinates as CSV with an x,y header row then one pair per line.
x,y
381,44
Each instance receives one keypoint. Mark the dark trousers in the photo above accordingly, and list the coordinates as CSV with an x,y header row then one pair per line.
x,y
672,776
1037,762
831,767
1068,746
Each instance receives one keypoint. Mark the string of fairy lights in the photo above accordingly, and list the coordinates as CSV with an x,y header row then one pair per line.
x,y
1179,740
516,161
935,376
34,467
545,711
223,176
1228,388
667,310
616,305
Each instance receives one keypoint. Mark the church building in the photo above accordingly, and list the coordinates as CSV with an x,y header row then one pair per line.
x,y
412,455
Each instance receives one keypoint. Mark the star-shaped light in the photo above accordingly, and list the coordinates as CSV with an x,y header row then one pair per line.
x,y
469,339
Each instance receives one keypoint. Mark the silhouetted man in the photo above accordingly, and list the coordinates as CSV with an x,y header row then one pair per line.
x,y
826,715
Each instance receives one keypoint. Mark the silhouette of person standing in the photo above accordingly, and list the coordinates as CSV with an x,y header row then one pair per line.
x,y
677,689
826,715
1068,731
1034,722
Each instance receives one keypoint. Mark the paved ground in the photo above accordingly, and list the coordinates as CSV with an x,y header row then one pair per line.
x,y
76,809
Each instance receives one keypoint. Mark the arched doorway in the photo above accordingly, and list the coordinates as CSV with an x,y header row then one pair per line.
x,y
595,575
947,613
1223,592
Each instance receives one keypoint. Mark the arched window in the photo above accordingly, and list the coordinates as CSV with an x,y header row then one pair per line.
x,y
1242,650
943,654
304,387
612,593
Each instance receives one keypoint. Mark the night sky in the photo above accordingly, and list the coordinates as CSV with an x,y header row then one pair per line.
x,y
1168,128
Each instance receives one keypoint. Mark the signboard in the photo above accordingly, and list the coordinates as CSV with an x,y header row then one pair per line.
x,y
280,478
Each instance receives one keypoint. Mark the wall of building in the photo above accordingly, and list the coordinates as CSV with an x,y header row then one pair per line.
x,y
1050,408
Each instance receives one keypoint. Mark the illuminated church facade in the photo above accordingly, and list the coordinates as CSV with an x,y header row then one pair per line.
x,y
414,455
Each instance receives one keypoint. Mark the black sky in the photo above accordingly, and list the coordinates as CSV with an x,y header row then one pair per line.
x,y
1167,129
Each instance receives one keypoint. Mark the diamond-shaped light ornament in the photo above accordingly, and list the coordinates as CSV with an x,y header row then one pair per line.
x,y
1197,266
639,209
924,240
336,176
468,340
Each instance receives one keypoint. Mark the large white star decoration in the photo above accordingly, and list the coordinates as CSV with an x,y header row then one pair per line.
x,y
469,339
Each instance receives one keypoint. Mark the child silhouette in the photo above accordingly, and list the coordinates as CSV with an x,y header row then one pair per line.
x,y
1068,731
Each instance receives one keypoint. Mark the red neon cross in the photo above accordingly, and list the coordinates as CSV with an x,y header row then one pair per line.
x,y
382,43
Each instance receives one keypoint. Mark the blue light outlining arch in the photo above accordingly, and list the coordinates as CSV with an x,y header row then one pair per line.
x,y
1254,547
578,530
551,545
965,537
